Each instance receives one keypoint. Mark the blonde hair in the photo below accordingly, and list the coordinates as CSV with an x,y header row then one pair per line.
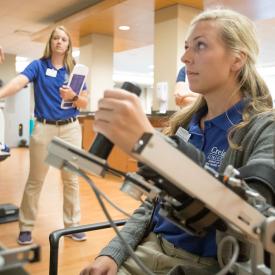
x,y
238,34
69,61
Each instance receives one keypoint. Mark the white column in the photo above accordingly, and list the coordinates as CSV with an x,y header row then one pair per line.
x,y
171,25
96,52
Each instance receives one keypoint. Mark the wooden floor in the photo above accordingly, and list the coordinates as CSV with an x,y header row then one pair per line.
x,y
73,256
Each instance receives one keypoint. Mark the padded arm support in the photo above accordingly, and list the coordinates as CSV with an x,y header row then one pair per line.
x,y
262,178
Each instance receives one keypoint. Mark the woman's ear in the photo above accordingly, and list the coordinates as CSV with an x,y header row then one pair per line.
x,y
239,61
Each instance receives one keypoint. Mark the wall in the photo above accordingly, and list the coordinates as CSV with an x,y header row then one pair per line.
x,y
17,107
17,112
7,69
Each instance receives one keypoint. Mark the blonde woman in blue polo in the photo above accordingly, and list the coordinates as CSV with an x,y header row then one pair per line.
x,y
231,122
48,75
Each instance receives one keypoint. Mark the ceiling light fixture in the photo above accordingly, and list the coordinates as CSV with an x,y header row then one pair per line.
x,y
124,28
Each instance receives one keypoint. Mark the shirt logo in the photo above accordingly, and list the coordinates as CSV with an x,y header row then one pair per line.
x,y
215,157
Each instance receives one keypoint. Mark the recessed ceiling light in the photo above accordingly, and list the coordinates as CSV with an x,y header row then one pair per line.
x,y
124,28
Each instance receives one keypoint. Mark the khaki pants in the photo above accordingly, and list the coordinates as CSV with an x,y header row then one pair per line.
x,y
42,135
161,257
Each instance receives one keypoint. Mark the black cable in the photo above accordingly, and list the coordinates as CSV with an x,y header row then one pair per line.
x,y
69,166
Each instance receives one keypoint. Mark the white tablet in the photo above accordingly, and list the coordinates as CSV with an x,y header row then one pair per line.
x,y
76,82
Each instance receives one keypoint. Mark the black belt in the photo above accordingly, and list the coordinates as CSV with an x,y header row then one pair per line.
x,y
57,122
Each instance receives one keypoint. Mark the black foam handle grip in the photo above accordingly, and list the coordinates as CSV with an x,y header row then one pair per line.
x,y
102,146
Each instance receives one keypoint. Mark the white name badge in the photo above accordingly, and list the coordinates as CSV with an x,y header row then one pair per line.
x,y
183,134
51,72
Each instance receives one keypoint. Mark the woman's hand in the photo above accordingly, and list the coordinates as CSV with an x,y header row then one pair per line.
x,y
67,93
184,100
183,96
121,119
102,265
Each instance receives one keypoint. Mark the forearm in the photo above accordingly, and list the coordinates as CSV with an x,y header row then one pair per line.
x,y
14,86
82,101
133,233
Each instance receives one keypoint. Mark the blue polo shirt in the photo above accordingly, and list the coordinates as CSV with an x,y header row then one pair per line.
x,y
181,75
212,141
46,90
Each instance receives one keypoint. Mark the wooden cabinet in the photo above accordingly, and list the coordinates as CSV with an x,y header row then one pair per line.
x,y
117,159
